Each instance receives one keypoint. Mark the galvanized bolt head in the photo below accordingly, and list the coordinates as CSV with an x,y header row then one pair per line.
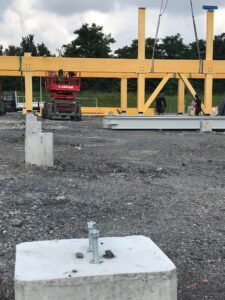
x,y
91,224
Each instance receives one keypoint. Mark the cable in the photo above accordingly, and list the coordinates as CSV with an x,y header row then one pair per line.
x,y
195,30
161,13
165,7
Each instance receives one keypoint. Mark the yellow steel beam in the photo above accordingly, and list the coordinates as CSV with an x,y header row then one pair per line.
x,y
125,75
150,75
175,66
9,63
141,33
102,111
157,91
123,95
109,66
181,93
117,75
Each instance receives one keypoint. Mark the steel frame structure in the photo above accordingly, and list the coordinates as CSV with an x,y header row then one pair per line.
x,y
139,68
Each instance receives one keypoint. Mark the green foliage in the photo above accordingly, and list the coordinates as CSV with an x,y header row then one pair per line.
x,y
173,47
42,50
128,51
89,42
12,51
192,52
219,46
27,45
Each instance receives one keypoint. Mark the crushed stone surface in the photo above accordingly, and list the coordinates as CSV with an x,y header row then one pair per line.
x,y
169,186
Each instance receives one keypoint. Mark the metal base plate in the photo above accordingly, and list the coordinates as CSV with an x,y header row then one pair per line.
x,y
170,122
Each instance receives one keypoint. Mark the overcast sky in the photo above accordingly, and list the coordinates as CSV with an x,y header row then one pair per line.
x,y
53,21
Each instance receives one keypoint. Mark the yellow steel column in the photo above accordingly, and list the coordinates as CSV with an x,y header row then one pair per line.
x,y
123,95
28,87
141,56
208,89
28,91
141,33
181,93
141,93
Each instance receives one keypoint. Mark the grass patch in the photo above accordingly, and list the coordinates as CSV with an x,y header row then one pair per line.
x,y
112,99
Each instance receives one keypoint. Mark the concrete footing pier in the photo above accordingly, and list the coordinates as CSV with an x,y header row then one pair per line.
x,y
51,270
38,144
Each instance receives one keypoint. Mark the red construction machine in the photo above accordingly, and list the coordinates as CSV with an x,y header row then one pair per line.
x,y
62,102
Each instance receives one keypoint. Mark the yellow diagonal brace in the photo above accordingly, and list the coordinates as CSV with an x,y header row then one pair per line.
x,y
157,91
188,85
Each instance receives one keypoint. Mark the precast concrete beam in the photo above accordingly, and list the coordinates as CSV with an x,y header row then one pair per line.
x,y
172,122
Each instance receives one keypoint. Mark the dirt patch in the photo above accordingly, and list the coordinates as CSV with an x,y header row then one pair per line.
x,y
167,186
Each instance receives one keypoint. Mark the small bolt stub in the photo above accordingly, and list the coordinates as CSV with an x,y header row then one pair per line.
x,y
91,226
95,256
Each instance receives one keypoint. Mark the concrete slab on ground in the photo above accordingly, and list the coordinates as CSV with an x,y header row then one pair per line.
x,y
50,270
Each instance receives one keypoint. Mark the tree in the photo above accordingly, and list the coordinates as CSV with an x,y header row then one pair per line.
x,y
219,46
128,51
42,50
12,51
90,42
1,50
27,45
192,51
173,47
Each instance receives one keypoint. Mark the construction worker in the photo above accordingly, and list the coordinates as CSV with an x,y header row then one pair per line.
x,y
198,105
160,104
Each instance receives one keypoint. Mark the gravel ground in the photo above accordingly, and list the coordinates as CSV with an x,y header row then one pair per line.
x,y
168,186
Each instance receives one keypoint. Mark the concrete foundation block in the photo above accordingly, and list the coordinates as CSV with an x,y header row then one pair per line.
x,y
32,124
206,126
49,270
39,149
